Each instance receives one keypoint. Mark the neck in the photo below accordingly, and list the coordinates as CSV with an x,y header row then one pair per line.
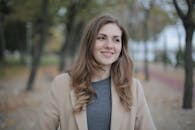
x,y
102,74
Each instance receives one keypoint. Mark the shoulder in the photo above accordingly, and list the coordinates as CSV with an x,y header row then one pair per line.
x,y
137,89
62,77
61,82
136,84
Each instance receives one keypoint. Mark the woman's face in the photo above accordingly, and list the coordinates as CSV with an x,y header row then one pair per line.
x,y
108,44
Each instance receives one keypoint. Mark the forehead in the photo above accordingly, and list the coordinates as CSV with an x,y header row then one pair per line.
x,y
110,29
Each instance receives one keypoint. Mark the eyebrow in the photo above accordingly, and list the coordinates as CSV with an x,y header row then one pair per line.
x,y
106,35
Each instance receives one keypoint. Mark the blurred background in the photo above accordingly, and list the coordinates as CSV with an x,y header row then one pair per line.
x,y
39,40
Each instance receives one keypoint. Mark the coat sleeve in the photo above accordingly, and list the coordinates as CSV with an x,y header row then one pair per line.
x,y
48,117
143,116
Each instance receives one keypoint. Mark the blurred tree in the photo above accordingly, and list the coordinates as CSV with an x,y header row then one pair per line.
x,y
146,21
188,19
165,54
73,7
25,10
147,11
42,31
179,58
157,21
15,35
16,26
180,52
162,56
5,9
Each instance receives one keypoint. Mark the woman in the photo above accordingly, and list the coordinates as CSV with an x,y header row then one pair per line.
x,y
99,92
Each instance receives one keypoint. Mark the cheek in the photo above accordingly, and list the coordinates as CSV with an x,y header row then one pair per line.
x,y
95,50
119,48
98,45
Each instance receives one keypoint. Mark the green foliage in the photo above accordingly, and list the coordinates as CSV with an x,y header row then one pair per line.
x,y
11,71
180,58
12,67
5,7
15,36
162,57
29,10
25,10
156,22
49,60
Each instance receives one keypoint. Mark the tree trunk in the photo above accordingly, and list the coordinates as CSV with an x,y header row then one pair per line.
x,y
189,25
22,57
2,39
39,49
145,27
179,38
179,52
165,55
68,47
146,69
188,85
69,38
63,51
145,24
76,40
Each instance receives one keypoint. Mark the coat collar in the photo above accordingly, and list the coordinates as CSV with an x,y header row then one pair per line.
x,y
116,116
81,118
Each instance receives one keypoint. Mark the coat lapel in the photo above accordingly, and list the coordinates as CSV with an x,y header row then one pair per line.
x,y
81,118
117,110
116,116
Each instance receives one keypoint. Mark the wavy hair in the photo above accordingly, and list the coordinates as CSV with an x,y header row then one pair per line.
x,y
86,66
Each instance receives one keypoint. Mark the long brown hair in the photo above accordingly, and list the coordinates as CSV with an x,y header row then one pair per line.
x,y
86,65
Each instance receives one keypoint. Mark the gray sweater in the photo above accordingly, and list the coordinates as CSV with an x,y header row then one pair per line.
x,y
99,110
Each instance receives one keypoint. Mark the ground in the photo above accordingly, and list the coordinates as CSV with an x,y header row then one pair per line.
x,y
163,91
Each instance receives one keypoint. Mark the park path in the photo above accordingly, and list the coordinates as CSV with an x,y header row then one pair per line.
x,y
172,76
18,109
164,92
169,75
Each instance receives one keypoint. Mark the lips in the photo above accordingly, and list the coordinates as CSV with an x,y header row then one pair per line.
x,y
107,54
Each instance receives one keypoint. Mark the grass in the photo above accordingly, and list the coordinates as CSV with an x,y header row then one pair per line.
x,y
13,68
10,71
49,60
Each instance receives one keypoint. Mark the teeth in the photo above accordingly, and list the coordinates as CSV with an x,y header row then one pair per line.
x,y
107,54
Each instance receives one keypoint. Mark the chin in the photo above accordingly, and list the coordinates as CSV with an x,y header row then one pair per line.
x,y
107,63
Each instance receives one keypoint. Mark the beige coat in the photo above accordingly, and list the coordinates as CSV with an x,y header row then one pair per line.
x,y
57,109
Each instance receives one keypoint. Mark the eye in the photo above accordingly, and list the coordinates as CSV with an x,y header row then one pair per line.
x,y
117,40
101,38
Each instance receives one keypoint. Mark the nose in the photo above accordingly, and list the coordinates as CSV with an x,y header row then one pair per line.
x,y
109,43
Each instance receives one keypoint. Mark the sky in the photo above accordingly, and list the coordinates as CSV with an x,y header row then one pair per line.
x,y
171,34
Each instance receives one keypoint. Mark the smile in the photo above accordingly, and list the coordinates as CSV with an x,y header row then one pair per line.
x,y
107,54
